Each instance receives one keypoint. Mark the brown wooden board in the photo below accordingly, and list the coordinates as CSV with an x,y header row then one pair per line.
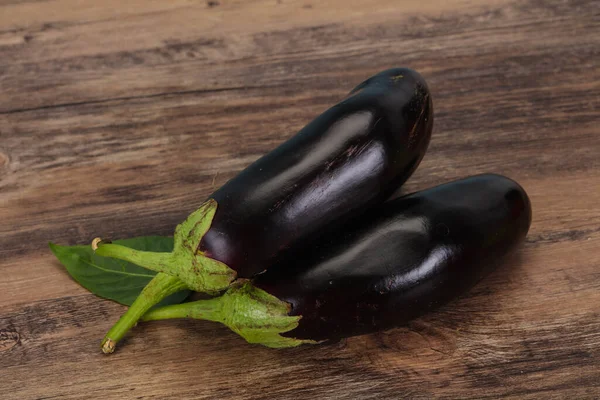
x,y
118,118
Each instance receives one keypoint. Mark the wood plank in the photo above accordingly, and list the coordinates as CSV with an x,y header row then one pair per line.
x,y
276,56
118,119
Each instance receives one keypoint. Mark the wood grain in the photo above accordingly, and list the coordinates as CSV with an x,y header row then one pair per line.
x,y
118,118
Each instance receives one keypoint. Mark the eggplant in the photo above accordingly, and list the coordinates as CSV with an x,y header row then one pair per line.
x,y
386,267
350,158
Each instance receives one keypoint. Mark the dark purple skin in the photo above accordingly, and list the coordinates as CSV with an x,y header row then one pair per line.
x,y
348,159
402,259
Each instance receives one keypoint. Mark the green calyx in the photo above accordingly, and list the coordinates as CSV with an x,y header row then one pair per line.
x,y
192,267
247,310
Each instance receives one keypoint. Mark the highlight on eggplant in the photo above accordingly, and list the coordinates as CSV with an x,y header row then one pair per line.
x,y
389,265
348,159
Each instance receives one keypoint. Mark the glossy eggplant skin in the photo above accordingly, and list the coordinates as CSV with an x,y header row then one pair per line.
x,y
349,158
402,259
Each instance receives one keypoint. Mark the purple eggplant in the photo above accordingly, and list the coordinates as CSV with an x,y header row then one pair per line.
x,y
348,159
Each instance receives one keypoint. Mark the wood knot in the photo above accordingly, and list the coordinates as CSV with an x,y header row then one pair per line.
x,y
8,340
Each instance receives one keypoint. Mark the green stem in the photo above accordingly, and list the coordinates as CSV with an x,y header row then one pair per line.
x,y
161,286
252,313
199,272
209,310
155,261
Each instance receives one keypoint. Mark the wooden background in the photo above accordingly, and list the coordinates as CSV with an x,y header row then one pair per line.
x,y
118,118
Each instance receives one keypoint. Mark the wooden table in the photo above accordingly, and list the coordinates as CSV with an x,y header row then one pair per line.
x,y
118,118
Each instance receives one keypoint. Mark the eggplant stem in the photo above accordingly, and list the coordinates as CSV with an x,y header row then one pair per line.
x,y
199,272
154,261
252,313
208,310
161,286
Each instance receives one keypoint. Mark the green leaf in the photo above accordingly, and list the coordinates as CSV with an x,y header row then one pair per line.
x,y
114,279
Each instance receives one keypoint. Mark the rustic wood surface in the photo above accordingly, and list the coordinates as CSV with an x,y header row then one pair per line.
x,y
118,118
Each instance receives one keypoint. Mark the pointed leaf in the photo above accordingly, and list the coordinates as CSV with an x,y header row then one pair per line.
x,y
114,279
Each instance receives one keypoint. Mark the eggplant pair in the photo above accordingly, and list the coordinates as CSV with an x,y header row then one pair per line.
x,y
302,247
347,160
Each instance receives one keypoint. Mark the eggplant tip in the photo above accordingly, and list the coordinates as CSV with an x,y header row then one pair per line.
x,y
95,243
